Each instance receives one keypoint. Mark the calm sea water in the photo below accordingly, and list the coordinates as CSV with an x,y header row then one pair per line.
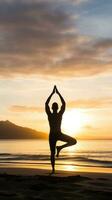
x,y
96,154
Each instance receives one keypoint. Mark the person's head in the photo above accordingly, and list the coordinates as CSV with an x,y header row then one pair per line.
x,y
55,107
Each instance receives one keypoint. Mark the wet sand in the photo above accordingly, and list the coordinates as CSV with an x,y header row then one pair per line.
x,y
37,184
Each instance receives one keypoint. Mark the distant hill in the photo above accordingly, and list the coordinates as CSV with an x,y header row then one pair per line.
x,y
9,130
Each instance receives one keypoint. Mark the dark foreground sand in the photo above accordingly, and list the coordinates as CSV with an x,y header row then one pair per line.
x,y
69,186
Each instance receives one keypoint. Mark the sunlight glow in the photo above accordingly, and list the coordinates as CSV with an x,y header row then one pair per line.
x,y
74,120
70,167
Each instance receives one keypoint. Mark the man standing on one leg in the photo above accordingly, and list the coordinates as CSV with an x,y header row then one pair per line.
x,y
55,119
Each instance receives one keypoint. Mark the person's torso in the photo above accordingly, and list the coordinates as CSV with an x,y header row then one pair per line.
x,y
55,122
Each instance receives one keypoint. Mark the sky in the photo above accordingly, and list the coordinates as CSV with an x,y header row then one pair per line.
x,y
67,43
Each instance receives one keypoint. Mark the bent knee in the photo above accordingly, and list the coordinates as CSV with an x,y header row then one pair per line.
x,y
73,141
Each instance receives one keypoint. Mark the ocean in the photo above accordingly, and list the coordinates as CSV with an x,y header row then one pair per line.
x,y
91,155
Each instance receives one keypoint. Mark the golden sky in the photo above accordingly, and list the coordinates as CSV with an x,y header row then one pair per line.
x,y
57,42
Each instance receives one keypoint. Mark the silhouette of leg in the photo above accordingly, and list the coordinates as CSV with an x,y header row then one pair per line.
x,y
69,142
53,162
52,143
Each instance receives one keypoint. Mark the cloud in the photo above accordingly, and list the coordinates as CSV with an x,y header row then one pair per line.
x,y
80,103
18,108
91,103
77,2
90,128
41,38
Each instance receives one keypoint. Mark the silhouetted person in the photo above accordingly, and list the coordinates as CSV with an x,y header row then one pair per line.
x,y
55,119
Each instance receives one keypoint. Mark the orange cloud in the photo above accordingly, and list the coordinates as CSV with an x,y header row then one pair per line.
x,y
80,103
90,103
17,108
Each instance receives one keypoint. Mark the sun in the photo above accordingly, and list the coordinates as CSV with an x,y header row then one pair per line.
x,y
74,120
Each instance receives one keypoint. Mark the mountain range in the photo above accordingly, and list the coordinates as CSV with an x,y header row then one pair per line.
x,y
9,130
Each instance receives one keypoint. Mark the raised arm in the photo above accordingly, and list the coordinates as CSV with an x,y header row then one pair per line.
x,y
47,108
62,101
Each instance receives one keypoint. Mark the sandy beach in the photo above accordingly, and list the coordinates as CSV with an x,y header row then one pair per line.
x,y
37,184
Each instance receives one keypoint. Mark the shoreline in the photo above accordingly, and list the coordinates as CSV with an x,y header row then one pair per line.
x,y
24,171
33,168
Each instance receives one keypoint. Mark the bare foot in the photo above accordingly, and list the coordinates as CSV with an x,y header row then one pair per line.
x,y
58,150
53,172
